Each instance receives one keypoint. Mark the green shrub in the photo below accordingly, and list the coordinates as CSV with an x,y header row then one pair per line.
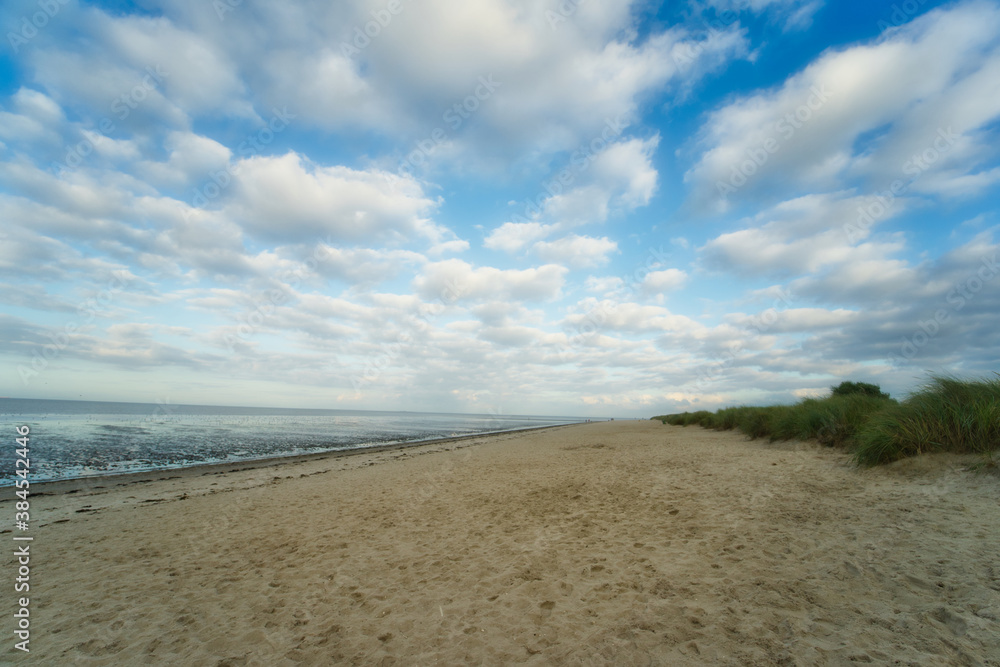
x,y
945,415
727,418
703,417
850,388
833,421
697,417
754,422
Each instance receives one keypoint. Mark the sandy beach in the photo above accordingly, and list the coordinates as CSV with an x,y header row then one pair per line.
x,y
627,543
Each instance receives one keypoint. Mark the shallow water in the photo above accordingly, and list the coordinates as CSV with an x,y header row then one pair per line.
x,y
83,438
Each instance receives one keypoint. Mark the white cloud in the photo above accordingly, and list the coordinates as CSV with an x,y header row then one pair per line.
x,y
515,236
557,88
958,183
803,235
328,90
802,16
510,336
577,251
618,179
659,282
811,320
114,150
363,265
630,317
444,247
579,206
192,159
604,284
921,79
454,280
197,75
37,118
286,198
795,14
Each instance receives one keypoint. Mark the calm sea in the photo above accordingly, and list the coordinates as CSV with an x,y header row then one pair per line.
x,y
85,438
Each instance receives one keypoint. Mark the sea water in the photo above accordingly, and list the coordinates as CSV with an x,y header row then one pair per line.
x,y
71,439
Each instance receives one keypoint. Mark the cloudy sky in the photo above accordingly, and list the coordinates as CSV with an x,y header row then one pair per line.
x,y
585,208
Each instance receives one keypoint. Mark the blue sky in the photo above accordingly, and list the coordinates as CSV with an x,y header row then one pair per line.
x,y
586,208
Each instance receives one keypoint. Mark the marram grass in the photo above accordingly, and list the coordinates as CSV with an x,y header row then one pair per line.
x,y
944,415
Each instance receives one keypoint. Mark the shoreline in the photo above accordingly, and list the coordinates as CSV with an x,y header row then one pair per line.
x,y
77,484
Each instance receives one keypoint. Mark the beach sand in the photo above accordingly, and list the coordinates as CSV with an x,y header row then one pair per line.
x,y
627,543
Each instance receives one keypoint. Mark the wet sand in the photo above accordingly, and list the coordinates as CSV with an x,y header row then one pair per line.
x,y
629,543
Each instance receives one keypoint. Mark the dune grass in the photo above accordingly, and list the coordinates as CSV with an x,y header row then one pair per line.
x,y
945,414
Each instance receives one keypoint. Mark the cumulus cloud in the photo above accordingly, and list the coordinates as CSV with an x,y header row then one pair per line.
x,y
629,317
364,265
668,280
577,251
555,88
617,179
286,198
620,177
558,87
454,280
802,235
34,118
919,83
191,158
138,70
515,236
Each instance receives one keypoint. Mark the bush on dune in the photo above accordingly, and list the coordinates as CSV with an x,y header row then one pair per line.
x,y
702,417
840,418
863,388
946,414
727,418
833,421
